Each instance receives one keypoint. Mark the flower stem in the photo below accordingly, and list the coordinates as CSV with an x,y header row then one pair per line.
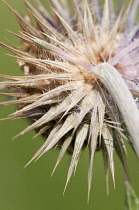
x,y
118,89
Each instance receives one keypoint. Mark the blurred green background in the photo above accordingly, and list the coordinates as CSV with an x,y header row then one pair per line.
x,y
33,188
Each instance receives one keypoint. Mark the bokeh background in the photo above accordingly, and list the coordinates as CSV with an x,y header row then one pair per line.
x,y
33,188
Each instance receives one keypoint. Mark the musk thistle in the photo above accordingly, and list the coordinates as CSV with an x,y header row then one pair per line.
x,y
81,79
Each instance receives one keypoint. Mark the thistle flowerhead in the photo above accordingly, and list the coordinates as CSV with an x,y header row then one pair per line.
x,y
81,79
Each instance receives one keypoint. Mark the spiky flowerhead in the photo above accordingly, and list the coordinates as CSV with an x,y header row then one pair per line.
x,y
80,80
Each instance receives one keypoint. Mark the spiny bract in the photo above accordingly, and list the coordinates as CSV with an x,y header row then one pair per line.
x,y
78,62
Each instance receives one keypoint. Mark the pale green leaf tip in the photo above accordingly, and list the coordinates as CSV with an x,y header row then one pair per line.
x,y
131,199
42,43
